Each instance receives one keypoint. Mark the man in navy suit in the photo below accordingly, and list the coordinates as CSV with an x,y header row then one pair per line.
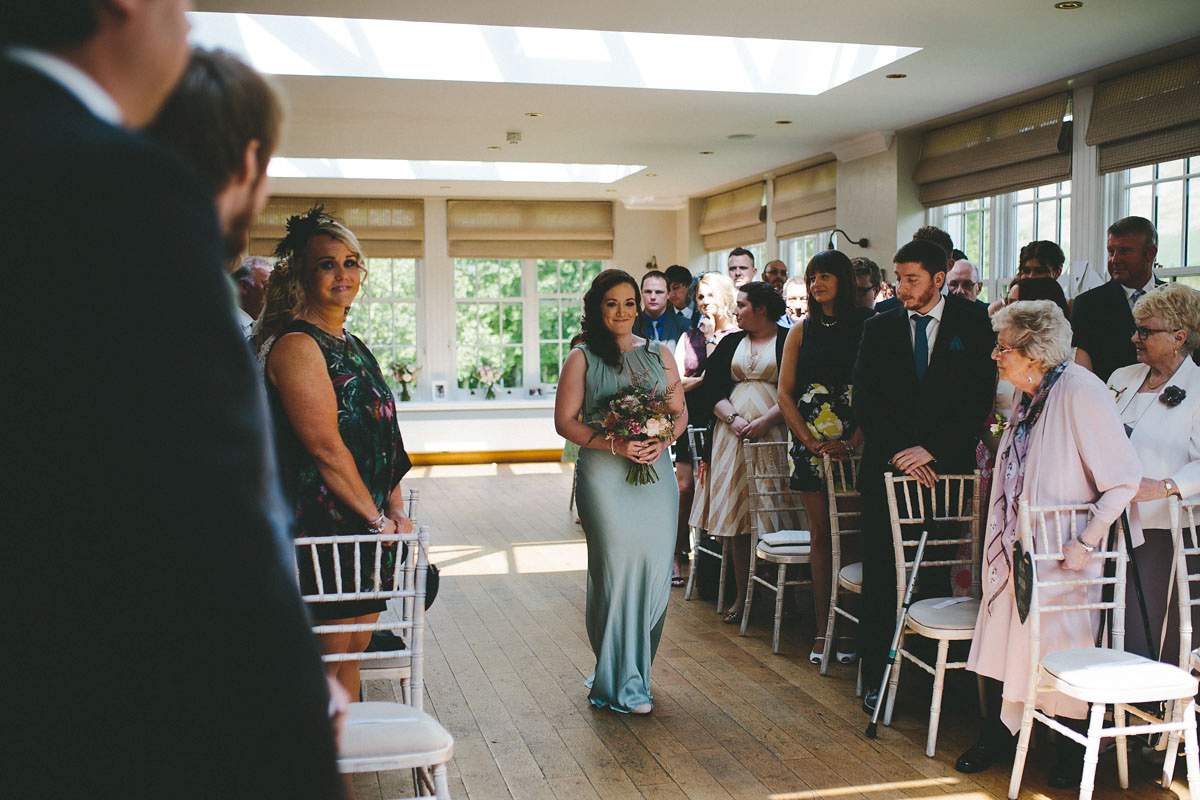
x,y
1102,318
923,385
156,635
659,320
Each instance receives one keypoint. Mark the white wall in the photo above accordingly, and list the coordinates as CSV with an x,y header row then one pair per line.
x,y
638,235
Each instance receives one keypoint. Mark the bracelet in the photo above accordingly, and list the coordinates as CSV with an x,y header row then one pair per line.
x,y
377,525
1091,548
710,341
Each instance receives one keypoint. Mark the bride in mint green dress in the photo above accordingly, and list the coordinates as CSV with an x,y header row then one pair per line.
x,y
630,529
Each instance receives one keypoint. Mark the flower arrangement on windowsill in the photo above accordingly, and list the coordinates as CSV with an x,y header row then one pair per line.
x,y
487,376
404,375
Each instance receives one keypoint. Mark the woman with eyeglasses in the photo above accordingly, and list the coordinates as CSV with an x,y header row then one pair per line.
x,y
1158,399
1063,445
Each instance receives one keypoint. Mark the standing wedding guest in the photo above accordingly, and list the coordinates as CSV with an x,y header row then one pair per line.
x,y
341,455
715,304
795,297
1158,399
923,386
1063,446
814,398
156,635
1041,259
869,280
630,528
679,286
741,382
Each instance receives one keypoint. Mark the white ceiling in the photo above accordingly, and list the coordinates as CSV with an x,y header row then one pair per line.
x,y
974,52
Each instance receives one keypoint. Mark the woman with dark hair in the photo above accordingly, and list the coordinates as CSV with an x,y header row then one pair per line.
x,y
341,457
814,398
740,383
1040,259
1041,289
630,528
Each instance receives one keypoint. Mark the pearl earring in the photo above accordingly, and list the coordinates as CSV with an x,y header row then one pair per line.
x,y
1029,379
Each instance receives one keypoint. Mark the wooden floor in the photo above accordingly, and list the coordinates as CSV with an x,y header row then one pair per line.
x,y
508,655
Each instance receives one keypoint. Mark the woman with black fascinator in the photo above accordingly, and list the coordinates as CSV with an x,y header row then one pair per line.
x,y
340,452
629,526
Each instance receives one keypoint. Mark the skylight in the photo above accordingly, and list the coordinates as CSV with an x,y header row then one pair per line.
x,y
401,170
440,51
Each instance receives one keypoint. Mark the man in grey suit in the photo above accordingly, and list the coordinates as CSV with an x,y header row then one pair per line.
x,y
157,636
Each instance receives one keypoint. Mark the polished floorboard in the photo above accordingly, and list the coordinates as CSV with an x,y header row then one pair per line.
x,y
507,655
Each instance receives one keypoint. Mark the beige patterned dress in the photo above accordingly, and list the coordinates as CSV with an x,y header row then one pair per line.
x,y
722,502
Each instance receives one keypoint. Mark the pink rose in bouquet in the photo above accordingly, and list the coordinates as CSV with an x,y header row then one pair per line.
x,y
635,412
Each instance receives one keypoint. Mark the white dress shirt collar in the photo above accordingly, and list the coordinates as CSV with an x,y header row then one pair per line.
x,y
1129,292
70,77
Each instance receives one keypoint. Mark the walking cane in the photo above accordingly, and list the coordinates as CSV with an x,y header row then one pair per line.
x,y
873,727
1137,583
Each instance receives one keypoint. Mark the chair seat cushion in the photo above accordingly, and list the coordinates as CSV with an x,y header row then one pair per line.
x,y
786,537
769,551
1092,672
391,661
380,736
955,621
851,574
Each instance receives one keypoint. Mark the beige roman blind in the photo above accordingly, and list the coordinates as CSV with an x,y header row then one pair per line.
x,y
805,201
1147,116
1017,148
386,227
529,229
734,219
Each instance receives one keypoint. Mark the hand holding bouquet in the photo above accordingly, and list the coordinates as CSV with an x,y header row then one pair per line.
x,y
635,412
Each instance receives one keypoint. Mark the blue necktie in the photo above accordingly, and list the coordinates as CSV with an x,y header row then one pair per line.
x,y
1136,294
656,328
921,346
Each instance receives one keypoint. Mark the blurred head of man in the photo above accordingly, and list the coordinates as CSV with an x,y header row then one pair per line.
x,y
741,267
920,275
776,274
251,278
135,51
1132,247
795,295
679,280
963,280
869,278
654,294
224,119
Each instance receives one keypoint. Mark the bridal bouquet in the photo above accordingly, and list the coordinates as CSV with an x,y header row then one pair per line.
x,y
636,413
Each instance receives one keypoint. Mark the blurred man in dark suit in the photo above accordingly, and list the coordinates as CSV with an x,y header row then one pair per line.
x,y
157,636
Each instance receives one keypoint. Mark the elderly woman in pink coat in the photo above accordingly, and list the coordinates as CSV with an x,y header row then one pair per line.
x,y
1064,445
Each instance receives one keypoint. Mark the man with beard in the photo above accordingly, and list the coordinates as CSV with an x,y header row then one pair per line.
x,y
923,384
224,119
157,635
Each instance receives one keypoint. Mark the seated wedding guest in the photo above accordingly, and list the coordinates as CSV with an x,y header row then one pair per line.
x,y
1158,399
341,455
1064,445
869,280
795,297
814,398
715,303
740,380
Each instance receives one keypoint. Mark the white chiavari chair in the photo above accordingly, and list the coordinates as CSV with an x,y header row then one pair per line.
x,y
773,510
953,508
1187,595
392,665
1098,676
696,441
381,736
845,521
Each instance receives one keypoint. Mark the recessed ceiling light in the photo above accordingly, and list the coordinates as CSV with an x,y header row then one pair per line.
x,y
1069,6
741,136
783,122
896,75
494,147
533,113
443,187
651,174
611,190
706,152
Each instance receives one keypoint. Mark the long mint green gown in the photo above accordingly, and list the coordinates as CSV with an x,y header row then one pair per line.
x,y
630,533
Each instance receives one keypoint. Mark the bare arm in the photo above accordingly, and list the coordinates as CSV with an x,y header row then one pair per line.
x,y
686,383
1083,359
786,398
297,368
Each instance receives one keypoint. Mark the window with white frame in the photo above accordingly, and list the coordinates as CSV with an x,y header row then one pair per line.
x,y
385,315
1168,194
992,230
799,250
517,316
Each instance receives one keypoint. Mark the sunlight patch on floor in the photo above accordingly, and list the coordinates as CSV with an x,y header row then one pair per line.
x,y
540,468
868,788
463,470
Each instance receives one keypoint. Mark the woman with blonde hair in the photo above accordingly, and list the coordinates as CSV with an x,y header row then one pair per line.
x,y
340,452
715,304
1158,399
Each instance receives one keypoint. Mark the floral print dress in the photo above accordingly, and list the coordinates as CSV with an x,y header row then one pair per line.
x,y
367,423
